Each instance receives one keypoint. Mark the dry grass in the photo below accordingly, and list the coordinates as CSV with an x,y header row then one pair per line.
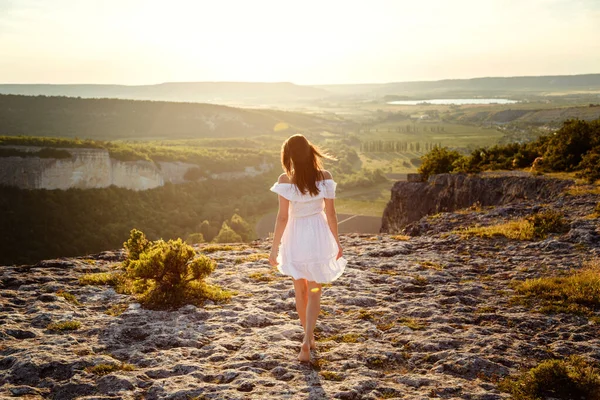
x,y
252,258
413,323
515,230
117,309
402,238
211,248
68,297
332,376
431,265
101,278
260,277
105,369
583,190
64,326
578,292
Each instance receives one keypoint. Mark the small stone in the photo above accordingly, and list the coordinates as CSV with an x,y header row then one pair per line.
x,y
246,386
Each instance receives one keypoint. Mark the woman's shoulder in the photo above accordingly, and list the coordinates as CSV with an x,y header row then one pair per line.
x,y
283,178
326,174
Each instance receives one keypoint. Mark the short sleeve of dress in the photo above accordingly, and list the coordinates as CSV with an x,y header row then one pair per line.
x,y
329,189
282,190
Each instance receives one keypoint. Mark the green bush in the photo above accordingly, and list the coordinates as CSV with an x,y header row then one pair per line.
x,y
573,378
566,148
227,235
589,167
169,275
241,227
195,238
546,222
440,160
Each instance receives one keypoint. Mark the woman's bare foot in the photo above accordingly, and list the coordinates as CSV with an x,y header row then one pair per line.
x,y
313,345
304,355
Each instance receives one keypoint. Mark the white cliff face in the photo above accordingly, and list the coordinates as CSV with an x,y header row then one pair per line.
x,y
94,169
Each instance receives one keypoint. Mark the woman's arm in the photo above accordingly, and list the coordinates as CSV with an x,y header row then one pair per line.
x,y
280,224
332,221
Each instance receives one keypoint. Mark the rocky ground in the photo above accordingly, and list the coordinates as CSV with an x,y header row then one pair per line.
x,y
427,317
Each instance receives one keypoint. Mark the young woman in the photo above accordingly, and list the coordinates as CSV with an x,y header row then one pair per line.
x,y
305,243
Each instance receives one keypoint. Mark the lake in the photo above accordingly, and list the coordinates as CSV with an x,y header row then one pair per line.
x,y
451,101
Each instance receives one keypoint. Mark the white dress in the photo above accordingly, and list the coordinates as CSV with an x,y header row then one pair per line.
x,y
308,249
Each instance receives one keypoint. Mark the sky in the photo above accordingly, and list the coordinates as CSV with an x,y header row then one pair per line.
x,y
305,42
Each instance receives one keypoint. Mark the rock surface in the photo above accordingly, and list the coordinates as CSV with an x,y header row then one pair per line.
x,y
427,317
410,201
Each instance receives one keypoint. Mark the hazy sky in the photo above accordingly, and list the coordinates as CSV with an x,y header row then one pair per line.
x,y
301,41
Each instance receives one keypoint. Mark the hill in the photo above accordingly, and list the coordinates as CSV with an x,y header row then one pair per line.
x,y
111,119
199,92
492,86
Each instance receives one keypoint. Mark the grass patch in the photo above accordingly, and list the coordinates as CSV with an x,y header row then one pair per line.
x,y
260,277
212,248
252,258
431,265
385,326
486,310
368,315
537,226
332,376
583,190
345,338
105,369
413,323
101,278
64,326
573,378
402,238
117,309
577,293
68,297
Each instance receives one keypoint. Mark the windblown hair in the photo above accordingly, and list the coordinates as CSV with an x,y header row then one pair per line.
x,y
301,161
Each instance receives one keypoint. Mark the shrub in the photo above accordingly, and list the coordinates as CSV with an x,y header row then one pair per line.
x,y
170,275
439,160
546,222
573,378
227,235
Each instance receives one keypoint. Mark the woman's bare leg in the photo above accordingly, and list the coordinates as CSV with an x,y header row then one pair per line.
x,y
301,291
313,308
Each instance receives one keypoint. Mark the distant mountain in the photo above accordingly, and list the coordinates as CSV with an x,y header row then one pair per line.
x,y
272,95
475,86
200,92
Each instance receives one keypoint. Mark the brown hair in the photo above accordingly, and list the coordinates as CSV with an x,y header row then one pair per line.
x,y
301,161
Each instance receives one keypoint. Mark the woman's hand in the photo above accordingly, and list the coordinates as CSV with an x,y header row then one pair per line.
x,y
273,257
340,252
